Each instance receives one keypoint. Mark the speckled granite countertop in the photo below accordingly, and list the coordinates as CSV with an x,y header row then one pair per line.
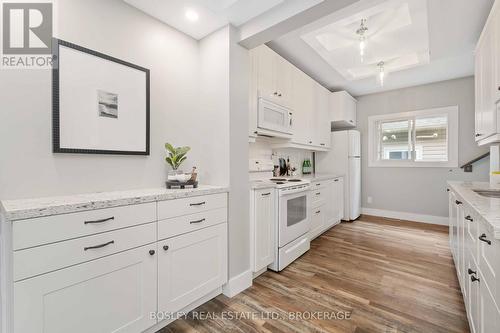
x,y
30,208
487,208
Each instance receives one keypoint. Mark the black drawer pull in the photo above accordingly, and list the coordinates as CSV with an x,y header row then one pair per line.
x,y
319,193
318,212
266,194
470,271
322,144
152,252
474,279
198,204
99,221
468,218
336,180
197,221
165,247
483,239
447,190
458,202
319,184
98,246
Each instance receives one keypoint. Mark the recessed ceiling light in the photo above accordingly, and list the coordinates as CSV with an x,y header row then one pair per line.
x,y
191,15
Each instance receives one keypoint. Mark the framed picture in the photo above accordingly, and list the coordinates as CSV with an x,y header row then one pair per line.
x,y
100,104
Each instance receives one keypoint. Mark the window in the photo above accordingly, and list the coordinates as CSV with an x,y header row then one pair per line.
x,y
425,138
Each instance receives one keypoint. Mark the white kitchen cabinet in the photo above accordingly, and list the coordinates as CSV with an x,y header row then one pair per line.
x,y
487,80
190,266
274,76
264,222
111,294
476,259
317,221
335,202
342,110
278,81
303,106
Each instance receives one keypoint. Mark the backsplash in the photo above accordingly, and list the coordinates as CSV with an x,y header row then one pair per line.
x,y
262,150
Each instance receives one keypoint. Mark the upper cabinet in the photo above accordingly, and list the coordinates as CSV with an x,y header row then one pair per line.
x,y
286,103
487,80
342,110
274,76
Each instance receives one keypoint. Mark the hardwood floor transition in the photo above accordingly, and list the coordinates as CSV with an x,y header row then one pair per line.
x,y
385,275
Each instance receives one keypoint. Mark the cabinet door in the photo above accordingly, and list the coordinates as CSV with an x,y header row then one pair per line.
x,y
264,230
338,200
488,114
460,245
317,221
190,266
283,76
112,294
489,314
253,93
302,101
471,296
452,207
322,126
266,73
478,93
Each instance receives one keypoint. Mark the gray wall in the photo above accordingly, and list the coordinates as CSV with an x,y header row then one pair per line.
x,y
419,190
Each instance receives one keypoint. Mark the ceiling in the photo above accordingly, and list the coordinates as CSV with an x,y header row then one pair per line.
x,y
420,41
213,14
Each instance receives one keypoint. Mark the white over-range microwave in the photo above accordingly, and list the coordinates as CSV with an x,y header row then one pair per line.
x,y
273,119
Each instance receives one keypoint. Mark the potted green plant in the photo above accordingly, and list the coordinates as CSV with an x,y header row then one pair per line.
x,y
176,156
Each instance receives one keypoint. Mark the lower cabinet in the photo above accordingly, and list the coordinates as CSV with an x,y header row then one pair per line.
x,y
190,266
264,224
112,294
327,205
475,253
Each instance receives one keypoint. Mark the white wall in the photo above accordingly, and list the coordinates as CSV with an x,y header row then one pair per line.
x,y
419,190
28,168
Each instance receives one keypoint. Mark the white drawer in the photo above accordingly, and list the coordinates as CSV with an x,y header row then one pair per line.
x,y
179,207
45,230
43,259
187,223
318,196
318,185
489,261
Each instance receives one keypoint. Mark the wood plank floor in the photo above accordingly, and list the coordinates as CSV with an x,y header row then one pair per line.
x,y
391,276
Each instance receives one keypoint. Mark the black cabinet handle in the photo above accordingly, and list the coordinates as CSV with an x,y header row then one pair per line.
x,y
336,180
266,194
468,218
319,184
318,212
197,221
458,202
447,190
198,204
310,142
322,144
98,246
279,95
99,221
152,252
351,121
318,193
483,239
478,135
470,271
474,278
165,247
275,93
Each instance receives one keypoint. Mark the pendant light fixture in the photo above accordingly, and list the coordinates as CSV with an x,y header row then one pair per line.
x,y
381,74
362,38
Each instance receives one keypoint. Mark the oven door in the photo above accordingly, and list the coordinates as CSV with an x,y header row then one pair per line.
x,y
293,215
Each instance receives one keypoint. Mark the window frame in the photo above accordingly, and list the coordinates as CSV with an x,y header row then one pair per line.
x,y
452,137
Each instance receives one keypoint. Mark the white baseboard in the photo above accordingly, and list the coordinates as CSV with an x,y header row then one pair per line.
x,y
237,284
431,219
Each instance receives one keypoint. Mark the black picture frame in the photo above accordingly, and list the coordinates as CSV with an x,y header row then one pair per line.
x,y
56,144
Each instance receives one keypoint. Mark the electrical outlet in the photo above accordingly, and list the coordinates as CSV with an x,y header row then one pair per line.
x,y
369,200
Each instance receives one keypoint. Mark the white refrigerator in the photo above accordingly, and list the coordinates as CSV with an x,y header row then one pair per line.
x,y
344,158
